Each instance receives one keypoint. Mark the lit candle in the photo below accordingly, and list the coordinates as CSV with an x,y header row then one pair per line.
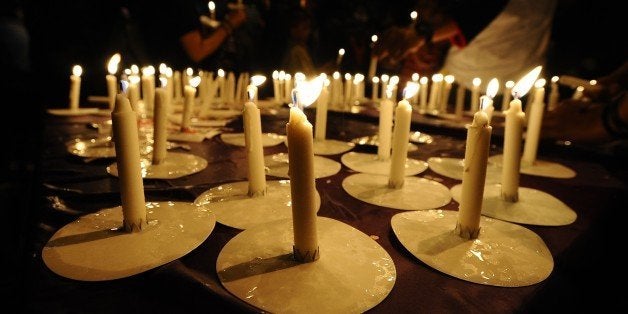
x,y
535,120
254,147
212,10
276,92
415,99
414,15
460,94
437,81
423,94
320,129
222,85
177,86
475,94
189,94
341,53
554,96
162,104
230,88
287,88
112,81
133,91
577,95
188,75
373,63
384,81
336,89
127,146
473,176
444,102
506,100
148,87
486,101
385,125
357,91
347,93
301,172
401,135
515,120
374,88
75,87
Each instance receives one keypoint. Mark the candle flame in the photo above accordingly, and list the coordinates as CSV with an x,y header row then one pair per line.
x,y
251,90
189,71
124,85
149,70
112,65
476,81
484,101
437,78
257,80
492,88
347,76
134,79
135,69
580,88
275,75
195,81
127,72
308,91
410,90
168,72
539,83
394,80
358,78
327,82
77,70
414,15
282,75
385,78
221,72
299,76
593,82
415,76
375,80
389,91
555,79
341,51
164,81
323,75
374,38
510,84
336,75
525,83
163,68
288,77
449,79
211,5
423,80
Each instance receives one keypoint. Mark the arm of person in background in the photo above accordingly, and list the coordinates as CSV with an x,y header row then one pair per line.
x,y
198,48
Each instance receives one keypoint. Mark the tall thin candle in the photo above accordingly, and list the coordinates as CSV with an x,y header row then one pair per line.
x,y
253,142
401,135
112,81
75,87
475,94
535,120
385,126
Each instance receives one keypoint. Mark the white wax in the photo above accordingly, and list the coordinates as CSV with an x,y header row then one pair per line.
x,y
444,102
372,67
515,120
401,135
254,149
321,114
148,91
75,92
423,97
374,90
433,106
134,96
533,131
460,93
487,102
506,98
347,93
127,146
578,93
302,186
473,176
287,89
554,97
385,129
276,92
160,122
475,98
188,93
177,86
230,88
112,90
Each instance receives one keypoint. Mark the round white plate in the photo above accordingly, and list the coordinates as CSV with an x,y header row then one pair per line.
x,y
175,165
369,163
277,165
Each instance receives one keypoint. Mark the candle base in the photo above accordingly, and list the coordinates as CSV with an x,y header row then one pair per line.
x,y
258,267
175,165
277,166
534,207
95,247
504,254
370,163
453,168
233,206
100,147
415,194
541,168
237,139
75,112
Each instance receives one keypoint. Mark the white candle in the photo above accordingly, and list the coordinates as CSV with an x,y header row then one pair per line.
x,y
347,92
506,100
177,86
444,102
148,87
374,88
75,87
320,129
385,126
302,182
401,135
437,81
212,10
486,101
336,89
473,176
535,120
423,94
475,94
384,79
276,91
230,87
189,94
254,147
222,85
188,75
133,91
112,81
394,82
358,87
160,122
554,96
515,120
287,87
578,94
125,136
341,53
460,94
415,99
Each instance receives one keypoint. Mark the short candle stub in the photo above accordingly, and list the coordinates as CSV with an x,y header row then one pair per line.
x,y
132,227
307,256
466,233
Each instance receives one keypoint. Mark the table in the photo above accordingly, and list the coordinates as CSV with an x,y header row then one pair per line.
x,y
72,188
